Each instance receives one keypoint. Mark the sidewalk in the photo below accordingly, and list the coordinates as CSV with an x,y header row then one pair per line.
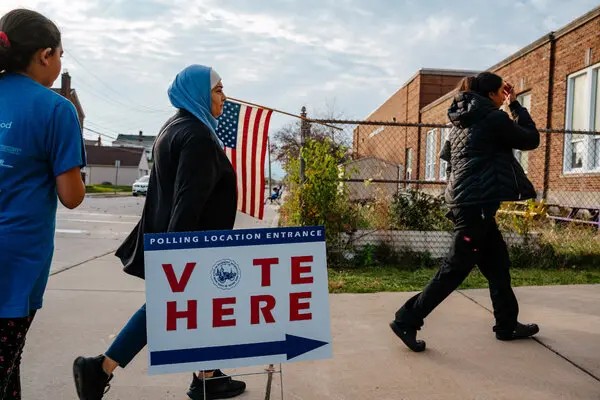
x,y
87,305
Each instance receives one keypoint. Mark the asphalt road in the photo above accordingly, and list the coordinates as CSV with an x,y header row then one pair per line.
x,y
99,225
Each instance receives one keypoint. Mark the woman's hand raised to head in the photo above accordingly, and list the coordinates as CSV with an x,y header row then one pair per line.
x,y
509,92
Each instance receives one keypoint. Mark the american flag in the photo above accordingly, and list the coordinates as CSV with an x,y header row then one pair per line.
x,y
244,131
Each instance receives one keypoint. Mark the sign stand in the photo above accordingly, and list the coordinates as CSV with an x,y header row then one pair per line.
x,y
270,370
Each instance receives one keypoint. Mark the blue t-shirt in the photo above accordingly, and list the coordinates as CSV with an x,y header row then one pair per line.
x,y
40,138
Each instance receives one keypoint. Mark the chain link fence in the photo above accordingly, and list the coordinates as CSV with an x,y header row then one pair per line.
x,y
393,181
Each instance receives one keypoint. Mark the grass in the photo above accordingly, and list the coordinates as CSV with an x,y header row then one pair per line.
x,y
106,189
392,279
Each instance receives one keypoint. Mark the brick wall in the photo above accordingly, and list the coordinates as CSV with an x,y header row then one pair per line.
x,y
391,143
571,51
381,142
529,73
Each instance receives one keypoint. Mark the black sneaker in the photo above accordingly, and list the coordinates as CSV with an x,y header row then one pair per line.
x,y
520,331
222,388
91,381
408,336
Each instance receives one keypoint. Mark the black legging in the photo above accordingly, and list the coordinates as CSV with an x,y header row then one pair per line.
x,y
12,341
476,241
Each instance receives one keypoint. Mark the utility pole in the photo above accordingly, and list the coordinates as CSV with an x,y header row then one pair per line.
x,y
304,131
304,127
117,165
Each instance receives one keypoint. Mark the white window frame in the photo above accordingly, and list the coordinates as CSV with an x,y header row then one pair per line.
x,y
430,155
593,80
520,154
444,135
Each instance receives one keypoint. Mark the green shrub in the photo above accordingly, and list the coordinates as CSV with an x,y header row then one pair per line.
x,y
382,255
321,199
415,210
528,255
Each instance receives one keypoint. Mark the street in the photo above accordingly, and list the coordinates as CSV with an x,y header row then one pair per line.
x,y
100,224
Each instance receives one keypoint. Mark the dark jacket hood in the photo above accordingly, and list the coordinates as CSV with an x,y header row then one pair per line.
x,y
469,108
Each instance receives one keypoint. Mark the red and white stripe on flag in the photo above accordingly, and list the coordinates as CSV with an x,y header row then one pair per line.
x,y
248,159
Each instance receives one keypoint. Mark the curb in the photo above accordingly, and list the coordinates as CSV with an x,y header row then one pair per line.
x,y
102,195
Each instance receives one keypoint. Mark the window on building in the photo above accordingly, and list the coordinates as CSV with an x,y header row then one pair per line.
x,y
523,156
582,152
409,161
430,155
444,135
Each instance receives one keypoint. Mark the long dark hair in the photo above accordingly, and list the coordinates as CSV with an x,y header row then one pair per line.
x,y
27,31
482,84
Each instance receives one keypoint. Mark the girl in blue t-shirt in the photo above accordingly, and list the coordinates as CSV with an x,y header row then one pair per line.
x,y
41,154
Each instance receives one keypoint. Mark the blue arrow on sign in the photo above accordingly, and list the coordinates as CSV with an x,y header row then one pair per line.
x,y
292,347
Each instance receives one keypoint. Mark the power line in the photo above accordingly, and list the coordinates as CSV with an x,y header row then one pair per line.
x,y
109,87
133,105
130,122
112,101
125,149
98,126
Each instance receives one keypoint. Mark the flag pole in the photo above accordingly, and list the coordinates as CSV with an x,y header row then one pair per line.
x,y
283,112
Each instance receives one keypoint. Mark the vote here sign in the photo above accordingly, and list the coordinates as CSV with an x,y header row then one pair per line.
x,y
224,299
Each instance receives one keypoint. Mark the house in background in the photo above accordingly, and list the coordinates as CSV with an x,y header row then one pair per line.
x,y
114,165
93,142
557,78
70,94
139,141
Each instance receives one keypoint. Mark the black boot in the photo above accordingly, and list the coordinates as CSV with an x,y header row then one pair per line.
x,y
91,381
222,388
520,331
408,336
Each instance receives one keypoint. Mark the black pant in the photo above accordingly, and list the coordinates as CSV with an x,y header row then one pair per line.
x,y
12,341
476,241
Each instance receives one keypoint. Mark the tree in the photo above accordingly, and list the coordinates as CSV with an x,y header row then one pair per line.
x,y
321,199
286,141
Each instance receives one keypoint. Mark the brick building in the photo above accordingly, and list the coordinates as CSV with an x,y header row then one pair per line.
x,y
404,106
557,78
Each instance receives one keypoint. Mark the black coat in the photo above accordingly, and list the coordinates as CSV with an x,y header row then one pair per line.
x,y
481,165
192,188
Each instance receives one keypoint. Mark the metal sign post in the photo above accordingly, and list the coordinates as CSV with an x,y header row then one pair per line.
x,y
117,165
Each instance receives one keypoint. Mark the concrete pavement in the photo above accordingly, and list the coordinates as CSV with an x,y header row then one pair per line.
x,y
87,305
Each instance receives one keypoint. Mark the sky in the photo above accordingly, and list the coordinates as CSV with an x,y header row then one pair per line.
x,y
344,57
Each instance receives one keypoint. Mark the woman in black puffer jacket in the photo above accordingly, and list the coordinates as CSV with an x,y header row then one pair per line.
x,y
482,172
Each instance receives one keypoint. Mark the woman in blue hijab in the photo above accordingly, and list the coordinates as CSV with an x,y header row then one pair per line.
x,y
192,188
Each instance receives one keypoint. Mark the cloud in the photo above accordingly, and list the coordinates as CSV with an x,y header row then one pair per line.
x,y
123,54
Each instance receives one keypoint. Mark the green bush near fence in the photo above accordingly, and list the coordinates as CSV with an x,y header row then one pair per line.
x,y
321,199
415,210
106,189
